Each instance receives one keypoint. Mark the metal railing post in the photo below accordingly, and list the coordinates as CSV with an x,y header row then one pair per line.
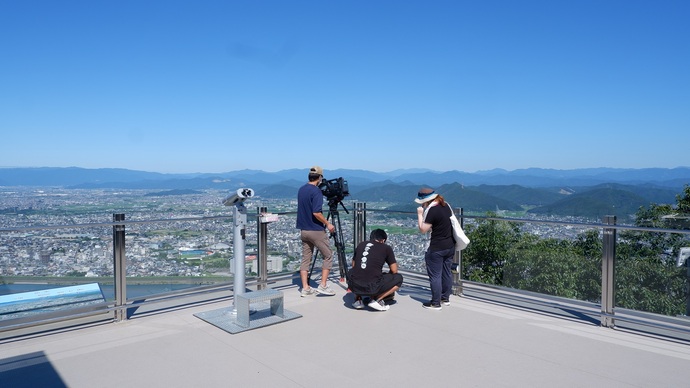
x,y
120,267
262,248
608,273
360,223
457,259
687,289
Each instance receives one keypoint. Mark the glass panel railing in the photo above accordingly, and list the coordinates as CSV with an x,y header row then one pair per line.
x,y
555,259
285,246
50,241
171,256
408,243
177,244
46,270
650,275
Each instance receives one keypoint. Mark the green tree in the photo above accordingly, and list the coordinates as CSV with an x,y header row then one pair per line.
x,y
683,201
569,269
546,266
492,244
647,277
589,247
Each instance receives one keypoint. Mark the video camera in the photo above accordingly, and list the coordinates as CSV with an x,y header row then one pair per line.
x,y
335,190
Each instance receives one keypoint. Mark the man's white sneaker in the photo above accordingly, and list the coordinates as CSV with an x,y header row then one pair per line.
x,y
378,305
307,292
324,290
358,304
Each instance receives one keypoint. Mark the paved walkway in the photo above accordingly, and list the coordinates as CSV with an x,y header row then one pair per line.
x,y
468,344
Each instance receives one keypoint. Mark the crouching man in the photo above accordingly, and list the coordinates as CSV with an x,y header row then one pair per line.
x,y
366,278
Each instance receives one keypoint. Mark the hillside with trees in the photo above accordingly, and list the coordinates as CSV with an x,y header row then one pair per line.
x,y
647,275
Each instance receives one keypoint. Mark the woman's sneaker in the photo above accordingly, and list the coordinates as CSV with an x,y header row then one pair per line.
x,y
358,304
431,306
378,305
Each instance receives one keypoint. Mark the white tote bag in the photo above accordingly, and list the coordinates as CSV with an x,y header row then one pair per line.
x,y
461,239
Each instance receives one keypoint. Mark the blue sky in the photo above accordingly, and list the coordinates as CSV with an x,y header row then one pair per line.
x,y
214,86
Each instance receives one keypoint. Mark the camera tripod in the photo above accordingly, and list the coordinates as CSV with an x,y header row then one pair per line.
x,y
337,235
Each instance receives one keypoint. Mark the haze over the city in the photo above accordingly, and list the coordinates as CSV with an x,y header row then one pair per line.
x,y
215,86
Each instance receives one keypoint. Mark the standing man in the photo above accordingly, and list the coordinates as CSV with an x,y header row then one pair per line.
x,y
312,224
366,275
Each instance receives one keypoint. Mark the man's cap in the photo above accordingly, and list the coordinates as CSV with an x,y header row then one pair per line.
x,y
316,170
425,194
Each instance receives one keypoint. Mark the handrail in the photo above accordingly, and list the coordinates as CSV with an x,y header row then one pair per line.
x,y
95,224
359,226
584,225
464,216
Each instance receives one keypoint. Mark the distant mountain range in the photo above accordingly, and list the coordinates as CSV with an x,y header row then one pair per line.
x,y
590,192
76,177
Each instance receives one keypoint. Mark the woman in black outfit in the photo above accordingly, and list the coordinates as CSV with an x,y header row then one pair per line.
x,y
434,215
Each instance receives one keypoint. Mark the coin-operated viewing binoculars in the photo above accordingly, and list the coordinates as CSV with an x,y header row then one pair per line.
x,y
239,221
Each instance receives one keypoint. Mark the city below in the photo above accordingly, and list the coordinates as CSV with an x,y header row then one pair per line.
x,y
158,245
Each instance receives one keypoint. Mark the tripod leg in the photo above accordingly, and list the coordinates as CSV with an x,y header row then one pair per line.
x,y
339,245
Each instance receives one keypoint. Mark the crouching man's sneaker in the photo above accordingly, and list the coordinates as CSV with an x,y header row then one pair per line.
x,y
358,304
378,305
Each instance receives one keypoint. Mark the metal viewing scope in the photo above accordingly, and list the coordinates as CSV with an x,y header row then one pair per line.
x,y
239,196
